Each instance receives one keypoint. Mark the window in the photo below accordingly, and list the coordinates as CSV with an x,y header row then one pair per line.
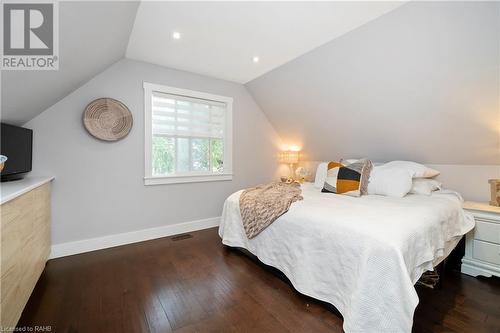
x,y
188,136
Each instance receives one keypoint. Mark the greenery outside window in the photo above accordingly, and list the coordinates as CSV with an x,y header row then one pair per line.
x,y
188,136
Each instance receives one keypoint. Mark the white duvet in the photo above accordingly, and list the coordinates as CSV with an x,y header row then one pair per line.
x,y
363,255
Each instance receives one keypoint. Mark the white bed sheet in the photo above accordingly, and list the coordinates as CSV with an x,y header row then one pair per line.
x,y
363,255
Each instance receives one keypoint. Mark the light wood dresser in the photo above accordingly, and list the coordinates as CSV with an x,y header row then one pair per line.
x,y
482,247
25,243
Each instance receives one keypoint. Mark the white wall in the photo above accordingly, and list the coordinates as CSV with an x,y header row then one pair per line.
x,y
419,83
99,186
470,180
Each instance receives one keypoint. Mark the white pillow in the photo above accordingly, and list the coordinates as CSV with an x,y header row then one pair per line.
x,y
321,172
424,186
416,169
390,181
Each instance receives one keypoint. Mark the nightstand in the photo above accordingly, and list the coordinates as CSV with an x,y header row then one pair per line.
x,y
482,247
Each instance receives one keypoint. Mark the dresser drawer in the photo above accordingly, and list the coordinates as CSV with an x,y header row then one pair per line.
x,y
487,231
486,252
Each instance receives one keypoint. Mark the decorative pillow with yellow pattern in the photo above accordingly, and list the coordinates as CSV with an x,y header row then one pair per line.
x,y
351,179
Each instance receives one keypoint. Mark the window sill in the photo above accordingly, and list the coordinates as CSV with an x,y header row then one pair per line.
x,y
186,179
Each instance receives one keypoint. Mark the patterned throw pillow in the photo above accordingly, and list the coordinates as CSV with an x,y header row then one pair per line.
x,y
351,179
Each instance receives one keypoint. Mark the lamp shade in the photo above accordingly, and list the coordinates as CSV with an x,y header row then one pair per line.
x,y
289,157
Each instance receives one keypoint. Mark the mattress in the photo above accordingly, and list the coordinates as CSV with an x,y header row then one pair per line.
x,y
363,255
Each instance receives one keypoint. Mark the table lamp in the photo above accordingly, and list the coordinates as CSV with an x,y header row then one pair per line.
x,y
290,157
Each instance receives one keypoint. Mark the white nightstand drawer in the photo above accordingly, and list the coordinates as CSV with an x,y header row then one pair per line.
x,y
486,252
487,231
482,246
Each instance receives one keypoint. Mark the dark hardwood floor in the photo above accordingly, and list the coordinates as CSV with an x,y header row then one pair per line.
x,y
197,285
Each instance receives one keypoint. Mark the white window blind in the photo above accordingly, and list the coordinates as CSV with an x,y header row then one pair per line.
x,y
182,116
188,135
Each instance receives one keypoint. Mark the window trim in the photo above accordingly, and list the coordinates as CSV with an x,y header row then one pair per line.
x,y
149,179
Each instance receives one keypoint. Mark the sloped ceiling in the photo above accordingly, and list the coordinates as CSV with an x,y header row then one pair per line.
x,y
420,83
219,39
92,36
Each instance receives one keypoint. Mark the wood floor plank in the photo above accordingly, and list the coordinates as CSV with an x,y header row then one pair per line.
x,y
198,285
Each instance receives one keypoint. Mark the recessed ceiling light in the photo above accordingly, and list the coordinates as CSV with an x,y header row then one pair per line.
x,y
176,35
255,59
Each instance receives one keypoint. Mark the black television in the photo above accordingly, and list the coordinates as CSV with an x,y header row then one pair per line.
x,y
17,144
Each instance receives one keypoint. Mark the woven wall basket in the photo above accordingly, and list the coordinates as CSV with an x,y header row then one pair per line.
x,y
107,119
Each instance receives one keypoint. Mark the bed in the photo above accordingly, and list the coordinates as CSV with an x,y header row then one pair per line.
x,y
363,255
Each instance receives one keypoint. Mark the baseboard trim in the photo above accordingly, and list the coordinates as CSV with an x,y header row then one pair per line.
x,y
474,268
99,243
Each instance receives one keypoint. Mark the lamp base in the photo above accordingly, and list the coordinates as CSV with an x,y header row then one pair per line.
x,y
292,173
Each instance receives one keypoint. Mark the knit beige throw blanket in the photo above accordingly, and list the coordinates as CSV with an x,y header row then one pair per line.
x,y
262,205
